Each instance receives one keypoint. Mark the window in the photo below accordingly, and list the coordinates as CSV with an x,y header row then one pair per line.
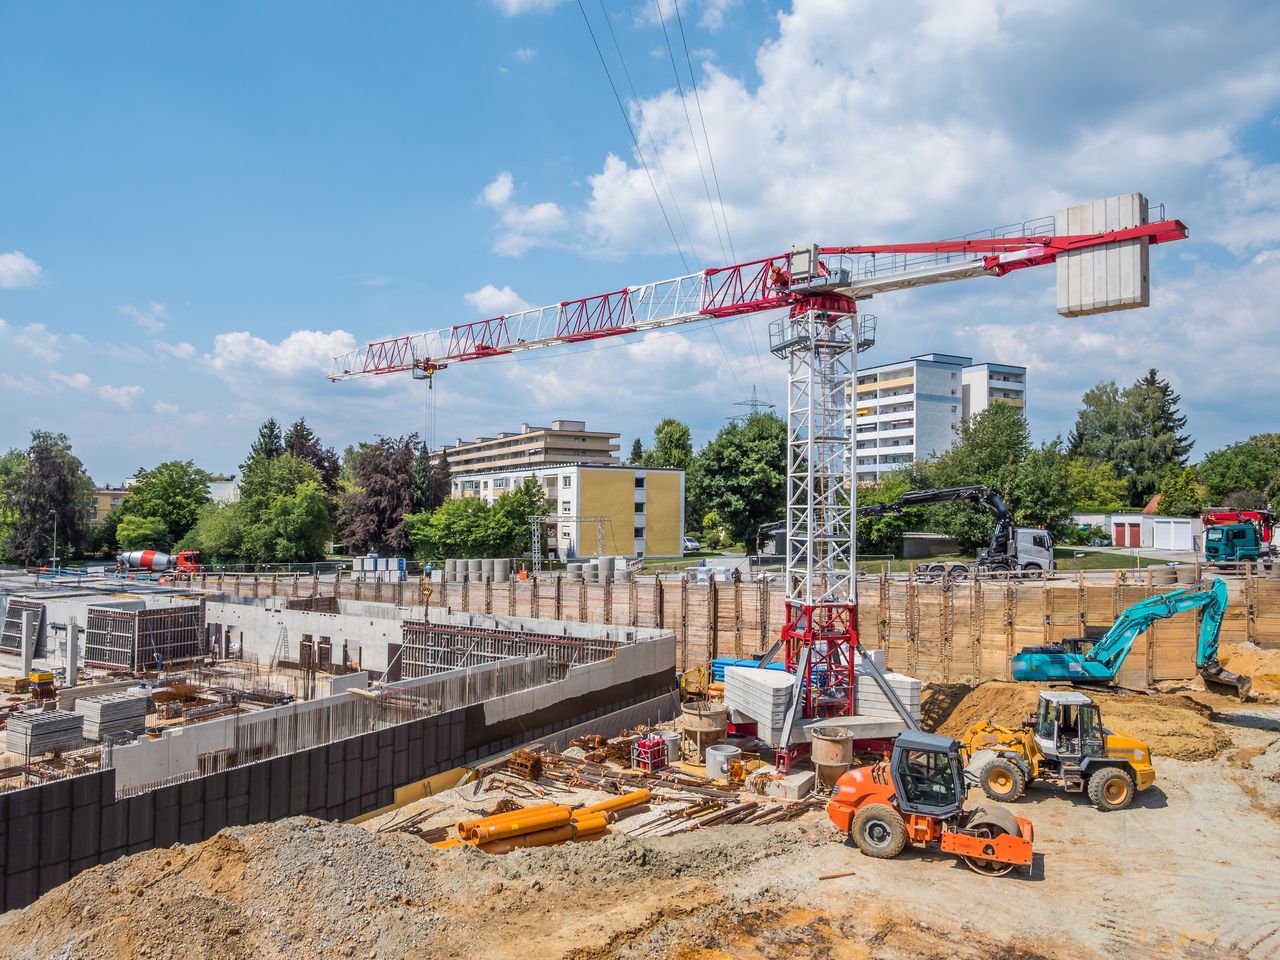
x,y
639,482
1040,540
485,484
564,534
566,507
639,508
566,481
501,483
953,376
953,407
927,778
638,533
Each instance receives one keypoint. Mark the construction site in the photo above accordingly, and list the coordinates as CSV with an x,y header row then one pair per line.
x,y
811,763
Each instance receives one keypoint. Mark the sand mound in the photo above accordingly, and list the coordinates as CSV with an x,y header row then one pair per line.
x,y
1253,661
1174,726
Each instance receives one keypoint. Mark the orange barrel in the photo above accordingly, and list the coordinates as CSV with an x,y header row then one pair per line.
x,y
539,838
538,820
613,804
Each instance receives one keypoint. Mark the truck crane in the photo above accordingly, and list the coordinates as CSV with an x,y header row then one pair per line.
x,y
1086,660
1012,548
1101,250
1240,536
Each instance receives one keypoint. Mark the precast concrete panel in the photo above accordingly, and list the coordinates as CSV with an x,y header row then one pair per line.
x,y
1116,276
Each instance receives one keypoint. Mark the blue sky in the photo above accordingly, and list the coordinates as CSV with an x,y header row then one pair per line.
x,y
199,204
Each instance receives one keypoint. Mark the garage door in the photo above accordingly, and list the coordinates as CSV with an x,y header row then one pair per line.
x,y
1120,537
1162,534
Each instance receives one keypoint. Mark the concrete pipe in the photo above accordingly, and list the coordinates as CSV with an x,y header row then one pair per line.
x,y
590,572
573,571
486,569
622,576
475,568
501,570
605,566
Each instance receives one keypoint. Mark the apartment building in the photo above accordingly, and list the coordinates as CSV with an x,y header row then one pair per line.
x,y
910,410
104,499
642,510
565,441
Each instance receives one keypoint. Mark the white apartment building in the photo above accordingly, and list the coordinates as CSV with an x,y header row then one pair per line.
x,y
910,410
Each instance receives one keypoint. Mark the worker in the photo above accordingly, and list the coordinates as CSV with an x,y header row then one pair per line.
x,y
524,572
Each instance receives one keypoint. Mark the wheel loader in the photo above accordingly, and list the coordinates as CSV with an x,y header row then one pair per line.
x,y
917,796
1065,744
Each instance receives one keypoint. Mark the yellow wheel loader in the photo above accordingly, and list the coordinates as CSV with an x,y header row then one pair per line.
x,y
1065,744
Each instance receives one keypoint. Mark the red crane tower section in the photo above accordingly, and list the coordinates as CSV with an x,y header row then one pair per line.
x,y
818,331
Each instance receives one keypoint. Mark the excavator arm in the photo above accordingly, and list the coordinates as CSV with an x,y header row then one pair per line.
x,y
978,493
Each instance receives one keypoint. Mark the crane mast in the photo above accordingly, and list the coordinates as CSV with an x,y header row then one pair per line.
x,y
819,336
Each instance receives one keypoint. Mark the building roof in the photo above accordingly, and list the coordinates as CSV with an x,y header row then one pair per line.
x,y
531,468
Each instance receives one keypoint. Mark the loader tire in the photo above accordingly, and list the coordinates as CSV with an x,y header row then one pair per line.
x,y
878,831
1111,789
1003,780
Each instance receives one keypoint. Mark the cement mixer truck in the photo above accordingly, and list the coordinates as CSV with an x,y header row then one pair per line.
x,y
154,561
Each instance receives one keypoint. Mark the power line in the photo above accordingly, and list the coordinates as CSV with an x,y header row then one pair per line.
x,y
675,70
657,154
627,120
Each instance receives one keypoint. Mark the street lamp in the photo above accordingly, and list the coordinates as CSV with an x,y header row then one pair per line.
x,y
54,514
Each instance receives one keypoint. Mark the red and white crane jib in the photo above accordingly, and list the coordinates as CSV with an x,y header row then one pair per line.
x,y
829,277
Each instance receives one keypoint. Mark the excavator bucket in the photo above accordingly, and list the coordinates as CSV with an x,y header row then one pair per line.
x,y
1224,682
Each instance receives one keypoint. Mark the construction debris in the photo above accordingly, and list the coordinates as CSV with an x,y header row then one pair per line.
x,y
525,764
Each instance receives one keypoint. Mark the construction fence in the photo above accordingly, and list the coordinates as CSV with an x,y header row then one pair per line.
x,y
938,630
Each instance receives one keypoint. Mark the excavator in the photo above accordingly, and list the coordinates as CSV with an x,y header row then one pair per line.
x,y
1090,660
1012,548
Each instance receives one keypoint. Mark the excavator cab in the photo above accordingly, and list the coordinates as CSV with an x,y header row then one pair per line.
x,y
927,774
1068,726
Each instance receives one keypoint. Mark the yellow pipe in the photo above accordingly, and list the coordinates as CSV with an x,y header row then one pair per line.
x,y
539,820
614,804
539,838
591,822
465,827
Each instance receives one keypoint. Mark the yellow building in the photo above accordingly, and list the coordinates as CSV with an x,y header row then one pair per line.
x,y
640,511
103,501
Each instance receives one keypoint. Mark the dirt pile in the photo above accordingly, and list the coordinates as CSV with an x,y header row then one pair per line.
x,y
1253,661
1174,726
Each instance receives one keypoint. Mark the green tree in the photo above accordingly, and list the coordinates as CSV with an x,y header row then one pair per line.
x,y
637,453
1094,486
52,483
431,478
1247,467
1180,494
1155,444
11,466
137,532
989,450
1102,423
371,516
672,445
883,534
294,528
301,441
1041,491
268,445
173,492
509,521
741,475
219,533
459,528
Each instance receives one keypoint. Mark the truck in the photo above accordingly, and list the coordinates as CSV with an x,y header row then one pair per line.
x,y
1240,536
155,561
1025,549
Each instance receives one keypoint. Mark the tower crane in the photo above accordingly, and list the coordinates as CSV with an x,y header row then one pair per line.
x,y
819,333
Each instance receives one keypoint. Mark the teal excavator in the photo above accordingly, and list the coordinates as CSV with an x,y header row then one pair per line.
x,y
1098,660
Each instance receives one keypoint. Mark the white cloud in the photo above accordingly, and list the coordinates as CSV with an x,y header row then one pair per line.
x,y
713,13
525,54
521,227
39,341
18,270
165,409
375,280
183,350
120,396
302,353
511,8
152,317
491,301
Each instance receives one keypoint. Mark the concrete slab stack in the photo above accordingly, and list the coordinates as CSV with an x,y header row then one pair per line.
x,y
871,701
34,734
763,695
111,714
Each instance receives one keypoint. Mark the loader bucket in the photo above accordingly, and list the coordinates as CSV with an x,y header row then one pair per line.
x,y
1224,682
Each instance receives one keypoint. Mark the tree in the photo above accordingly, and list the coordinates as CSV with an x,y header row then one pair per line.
x,y
371,517
295,527
269,445
672,445
172,493
883,534
741,475
52,483
509,526
1101,424
137,532
637,453
1094,486
1248,467
431,479
11,466
989,450
301,441
1155,443
267,478
1180,494
219,533
459,528
1041,492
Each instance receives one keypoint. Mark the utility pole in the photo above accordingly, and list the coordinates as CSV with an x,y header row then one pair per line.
x,y
54,558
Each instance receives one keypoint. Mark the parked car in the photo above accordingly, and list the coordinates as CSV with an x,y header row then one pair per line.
x,y
691,545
